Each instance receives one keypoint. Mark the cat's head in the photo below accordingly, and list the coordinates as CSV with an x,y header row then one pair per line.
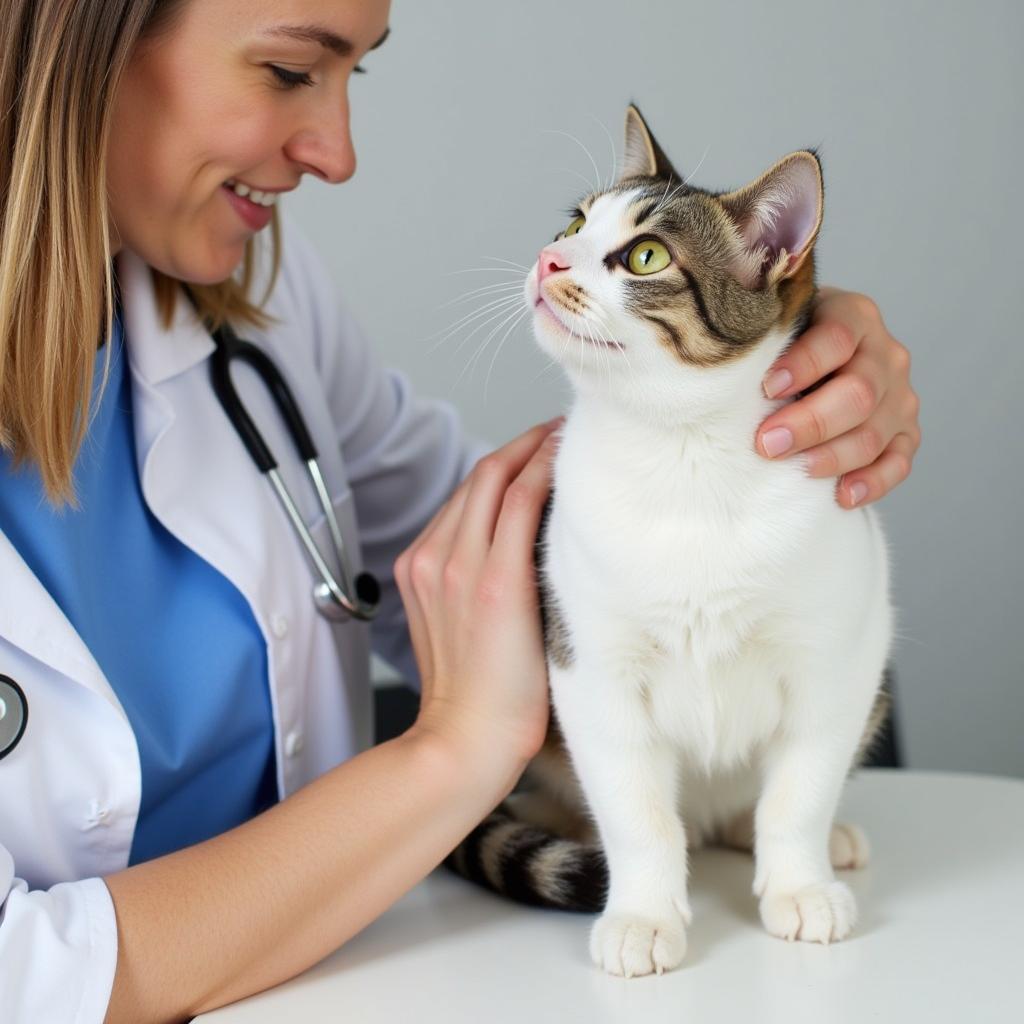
x,y
672,297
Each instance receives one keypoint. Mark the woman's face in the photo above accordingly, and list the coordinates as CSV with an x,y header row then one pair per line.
x,y
201,106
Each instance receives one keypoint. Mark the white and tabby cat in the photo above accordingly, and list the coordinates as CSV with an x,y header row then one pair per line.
x,y
717,626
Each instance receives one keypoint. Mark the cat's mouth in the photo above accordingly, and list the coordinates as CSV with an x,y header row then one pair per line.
x,y
548,310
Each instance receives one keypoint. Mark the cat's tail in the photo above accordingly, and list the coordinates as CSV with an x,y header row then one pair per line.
x,y
529,865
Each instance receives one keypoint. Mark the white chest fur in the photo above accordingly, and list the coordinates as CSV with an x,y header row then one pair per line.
x,y
684,567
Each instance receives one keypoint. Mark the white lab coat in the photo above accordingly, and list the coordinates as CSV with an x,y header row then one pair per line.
x,y
69,792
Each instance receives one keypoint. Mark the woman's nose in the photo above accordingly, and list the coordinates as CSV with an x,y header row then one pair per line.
x,y
325,149
549,262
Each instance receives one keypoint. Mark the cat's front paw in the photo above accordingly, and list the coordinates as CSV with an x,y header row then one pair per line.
x,y
630,945
823,912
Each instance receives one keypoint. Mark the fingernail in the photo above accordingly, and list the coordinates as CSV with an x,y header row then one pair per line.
x,y
857,492
776,382
777,441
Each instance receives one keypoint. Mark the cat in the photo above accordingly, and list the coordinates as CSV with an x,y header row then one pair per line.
x,y
716,626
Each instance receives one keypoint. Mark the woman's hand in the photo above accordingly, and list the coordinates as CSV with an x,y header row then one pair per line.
x,y
469,589
862,421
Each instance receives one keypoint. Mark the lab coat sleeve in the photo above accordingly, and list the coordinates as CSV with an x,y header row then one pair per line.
x,y
58,950
404,454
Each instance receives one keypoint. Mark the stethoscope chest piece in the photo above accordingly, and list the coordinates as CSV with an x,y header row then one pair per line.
x,y
13,715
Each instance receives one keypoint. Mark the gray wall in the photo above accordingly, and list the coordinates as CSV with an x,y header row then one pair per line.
x,y
916,108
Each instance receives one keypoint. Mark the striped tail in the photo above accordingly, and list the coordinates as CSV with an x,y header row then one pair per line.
x,y
524,863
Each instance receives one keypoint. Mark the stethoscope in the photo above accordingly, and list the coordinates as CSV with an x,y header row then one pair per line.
x,y
337,601
357,598
13,715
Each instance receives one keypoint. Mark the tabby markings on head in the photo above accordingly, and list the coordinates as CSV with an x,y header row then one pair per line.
x,y
734,265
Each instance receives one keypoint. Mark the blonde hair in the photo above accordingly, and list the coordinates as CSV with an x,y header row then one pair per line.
x,y
60,65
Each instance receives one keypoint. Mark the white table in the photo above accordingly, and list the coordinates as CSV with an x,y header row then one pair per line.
x,y
940,938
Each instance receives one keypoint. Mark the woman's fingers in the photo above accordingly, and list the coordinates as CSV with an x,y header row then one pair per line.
x,y
519,520
490,482
430,574
863,419
892,467
841,404
489,477
821,349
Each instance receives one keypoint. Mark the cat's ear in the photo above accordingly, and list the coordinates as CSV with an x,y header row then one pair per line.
x,y
778,217
643,154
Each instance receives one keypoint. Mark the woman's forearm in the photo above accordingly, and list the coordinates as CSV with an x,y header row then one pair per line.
x,y
248,909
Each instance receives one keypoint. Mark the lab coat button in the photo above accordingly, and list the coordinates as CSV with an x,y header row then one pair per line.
x,y
293,743
279,626
97,815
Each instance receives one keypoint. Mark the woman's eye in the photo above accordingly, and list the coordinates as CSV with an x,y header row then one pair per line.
x,y
290,79
575,227
648,258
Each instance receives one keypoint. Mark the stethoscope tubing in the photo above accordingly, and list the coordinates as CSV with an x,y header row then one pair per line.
x,y
359,597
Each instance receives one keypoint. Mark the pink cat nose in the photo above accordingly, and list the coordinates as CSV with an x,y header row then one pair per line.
x,y
548,262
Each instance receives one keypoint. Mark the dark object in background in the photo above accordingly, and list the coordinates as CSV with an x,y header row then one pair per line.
x,y
887,749
397,706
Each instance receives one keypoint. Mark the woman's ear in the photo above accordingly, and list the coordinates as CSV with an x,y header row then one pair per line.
x,y
644,157
778,218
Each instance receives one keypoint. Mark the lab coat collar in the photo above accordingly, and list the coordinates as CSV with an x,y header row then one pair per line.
x,y
157,353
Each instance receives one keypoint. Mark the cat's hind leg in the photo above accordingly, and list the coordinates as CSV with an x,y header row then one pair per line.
x,y
848,847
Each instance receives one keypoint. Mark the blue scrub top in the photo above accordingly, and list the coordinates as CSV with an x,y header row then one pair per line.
x,y
175,639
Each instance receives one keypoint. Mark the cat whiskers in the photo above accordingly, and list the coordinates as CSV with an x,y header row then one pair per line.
x,y
484,290
508,311
505,318
601,348
488,312
511,263
682,184
510,320
602,343
669,196
582,177
500,296
596,186
501,316
549,365
602,321
707,149
508,332
613,176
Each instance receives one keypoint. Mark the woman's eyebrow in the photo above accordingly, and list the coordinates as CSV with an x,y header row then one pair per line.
x,y
325,37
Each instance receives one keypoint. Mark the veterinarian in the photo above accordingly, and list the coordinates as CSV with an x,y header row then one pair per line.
x,y
190,809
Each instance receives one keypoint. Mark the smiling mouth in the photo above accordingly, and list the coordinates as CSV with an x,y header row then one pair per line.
x,y
595,342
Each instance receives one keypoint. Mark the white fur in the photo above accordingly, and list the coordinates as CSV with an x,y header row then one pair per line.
x,y
730,623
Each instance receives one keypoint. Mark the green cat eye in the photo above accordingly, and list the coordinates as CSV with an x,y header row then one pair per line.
x,y
648,257
575,227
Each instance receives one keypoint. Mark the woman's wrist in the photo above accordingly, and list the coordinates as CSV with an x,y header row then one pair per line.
x,y
459,745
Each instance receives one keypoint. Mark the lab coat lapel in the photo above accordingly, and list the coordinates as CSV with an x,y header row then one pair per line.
x,y
35,623
196,475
